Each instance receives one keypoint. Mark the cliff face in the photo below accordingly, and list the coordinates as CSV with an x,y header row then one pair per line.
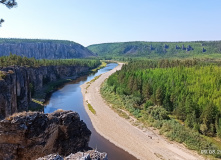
x,y
29,135
19,82
14,92
44,49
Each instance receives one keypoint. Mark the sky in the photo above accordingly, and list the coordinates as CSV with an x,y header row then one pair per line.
x,y
101,21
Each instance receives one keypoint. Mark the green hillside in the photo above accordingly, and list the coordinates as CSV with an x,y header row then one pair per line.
x,y
210,49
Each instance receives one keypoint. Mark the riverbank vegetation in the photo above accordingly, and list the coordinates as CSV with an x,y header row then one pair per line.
x,y
91,108
103,64
180,98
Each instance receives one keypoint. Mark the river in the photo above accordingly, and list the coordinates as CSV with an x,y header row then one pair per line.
x,y
69,97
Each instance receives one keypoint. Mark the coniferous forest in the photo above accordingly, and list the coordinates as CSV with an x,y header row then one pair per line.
x,y
194,49
180,97
13,59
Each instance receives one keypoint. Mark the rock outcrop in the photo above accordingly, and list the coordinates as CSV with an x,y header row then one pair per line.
x,y
89,155
30,135
43,49
19,82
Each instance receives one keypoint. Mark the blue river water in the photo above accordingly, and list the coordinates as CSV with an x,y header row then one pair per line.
x,y
69,97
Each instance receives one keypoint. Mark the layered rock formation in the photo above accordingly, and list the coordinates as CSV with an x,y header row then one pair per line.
x,y
30,135
43,49
89,155
19,82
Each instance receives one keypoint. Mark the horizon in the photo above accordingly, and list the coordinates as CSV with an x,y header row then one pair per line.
x,y
110,42
98,22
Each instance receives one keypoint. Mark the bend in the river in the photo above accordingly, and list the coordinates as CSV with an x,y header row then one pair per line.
x,y
70,98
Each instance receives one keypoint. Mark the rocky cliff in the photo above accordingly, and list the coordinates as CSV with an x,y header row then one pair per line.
x,y
89,155
19,82
43,49
15,94
29,135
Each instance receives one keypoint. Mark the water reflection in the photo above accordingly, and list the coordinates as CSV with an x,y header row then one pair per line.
x,y
69,97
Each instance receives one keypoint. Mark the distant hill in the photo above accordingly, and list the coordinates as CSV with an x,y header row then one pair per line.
x,y
44,49
210,49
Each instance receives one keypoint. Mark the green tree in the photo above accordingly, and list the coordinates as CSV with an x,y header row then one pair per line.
x,y
191,121
208,118
147,90
159,96
8,3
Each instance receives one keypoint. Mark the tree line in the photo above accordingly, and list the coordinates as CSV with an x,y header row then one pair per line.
x,y
188,90
158,50
13,59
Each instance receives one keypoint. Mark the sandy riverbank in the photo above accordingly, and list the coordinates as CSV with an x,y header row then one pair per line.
x,y
143,144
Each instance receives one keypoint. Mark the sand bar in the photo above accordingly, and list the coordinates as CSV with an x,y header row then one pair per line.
x,y
144,144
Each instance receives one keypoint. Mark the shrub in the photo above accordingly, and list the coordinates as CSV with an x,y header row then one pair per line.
x,y
158,113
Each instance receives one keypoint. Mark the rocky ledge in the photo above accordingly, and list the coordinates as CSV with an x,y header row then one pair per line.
x,y
30,135
89,155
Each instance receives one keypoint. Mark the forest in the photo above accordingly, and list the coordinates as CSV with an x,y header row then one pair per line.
x,y
17,40
180,97
13,59
159,50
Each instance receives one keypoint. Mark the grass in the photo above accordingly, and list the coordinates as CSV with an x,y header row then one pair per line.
x,y
2,75
93,80
37,101
24,113
213,140
87,87
91,108
59,111
103,64
123,114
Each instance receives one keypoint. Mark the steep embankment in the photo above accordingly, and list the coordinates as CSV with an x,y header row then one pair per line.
x,y
44,49
145,145
19,82
30,135
158,49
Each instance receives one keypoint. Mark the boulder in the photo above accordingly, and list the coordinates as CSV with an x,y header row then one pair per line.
x,y
29,135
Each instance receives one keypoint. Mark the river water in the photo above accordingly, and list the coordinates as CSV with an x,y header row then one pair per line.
x,y
70,97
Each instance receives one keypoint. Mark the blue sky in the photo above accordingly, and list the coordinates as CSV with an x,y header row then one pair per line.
x,y
100,21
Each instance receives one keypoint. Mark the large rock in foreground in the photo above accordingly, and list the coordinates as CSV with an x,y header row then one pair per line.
x,y
29,135
89,155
